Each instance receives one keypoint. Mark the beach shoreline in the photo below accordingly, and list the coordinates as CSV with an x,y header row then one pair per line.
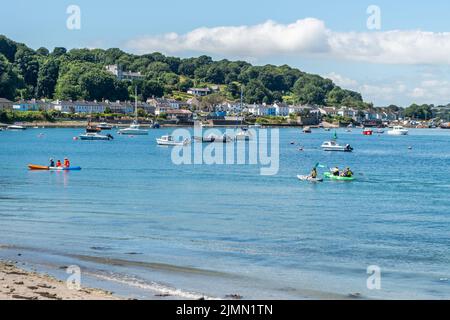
x,y
19,284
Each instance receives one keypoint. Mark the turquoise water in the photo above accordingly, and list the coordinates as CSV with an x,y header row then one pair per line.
x,y
133,217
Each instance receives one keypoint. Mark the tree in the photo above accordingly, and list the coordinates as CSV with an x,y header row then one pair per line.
x,y
152,88
47,78
255,92
42,51
59,51
8,48
9,79
27,62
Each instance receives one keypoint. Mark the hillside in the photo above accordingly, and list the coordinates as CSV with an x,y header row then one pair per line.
x,y
81,74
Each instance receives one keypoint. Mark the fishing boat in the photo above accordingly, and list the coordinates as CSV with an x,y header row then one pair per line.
x,y
398,131
90,128
307,130
36,167
104,126
134,128
170,141
95,136
16,127
334,146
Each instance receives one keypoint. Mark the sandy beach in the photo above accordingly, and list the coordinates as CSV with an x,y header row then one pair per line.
x,y
18,284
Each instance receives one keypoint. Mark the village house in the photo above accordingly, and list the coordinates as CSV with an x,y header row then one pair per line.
x,y
328,111
32,105
262,110
116,70
125,107
199,92
181,115
281,109
347,112
79,106
5,104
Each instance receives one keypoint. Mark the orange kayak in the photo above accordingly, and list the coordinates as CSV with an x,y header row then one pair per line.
x,y
37,167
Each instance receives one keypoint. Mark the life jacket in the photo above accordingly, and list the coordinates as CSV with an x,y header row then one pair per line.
x,y
58,164
67,163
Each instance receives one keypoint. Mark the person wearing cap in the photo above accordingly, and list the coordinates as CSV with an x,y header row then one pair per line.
x,y
52,162
66,163
347,173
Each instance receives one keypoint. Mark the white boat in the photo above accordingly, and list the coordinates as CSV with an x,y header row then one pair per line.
x,y
307,130
243,135
398,131
170,141
134,128
309,178
15,127
334,146
95,136
104,126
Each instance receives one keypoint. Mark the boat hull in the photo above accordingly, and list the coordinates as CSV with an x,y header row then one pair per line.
x,y
35,167
133,132
308,178
330,176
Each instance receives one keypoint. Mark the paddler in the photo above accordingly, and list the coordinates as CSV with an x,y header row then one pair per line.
x,y
52,163
347,173
335,171
313,174
66,163
58,164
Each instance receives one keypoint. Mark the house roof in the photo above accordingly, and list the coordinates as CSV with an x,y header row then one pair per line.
x,y
180,111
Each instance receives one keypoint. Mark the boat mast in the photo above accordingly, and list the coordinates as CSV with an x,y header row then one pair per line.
x,y
135,104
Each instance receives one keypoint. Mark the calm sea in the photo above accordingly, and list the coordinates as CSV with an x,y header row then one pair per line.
x,y
134,218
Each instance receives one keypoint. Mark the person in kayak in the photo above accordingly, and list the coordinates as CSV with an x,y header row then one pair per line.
x,y
313,173
347,173
52,163
66,163
58,164
335,171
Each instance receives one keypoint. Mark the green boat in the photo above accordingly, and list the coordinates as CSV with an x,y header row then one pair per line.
x,y
329,175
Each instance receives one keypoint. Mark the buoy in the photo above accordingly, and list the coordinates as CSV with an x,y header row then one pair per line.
x,y
410,148
75,138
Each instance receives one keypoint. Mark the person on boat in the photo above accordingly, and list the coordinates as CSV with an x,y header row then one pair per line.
x,y
313,173
66,163
58,164
347,173
335,171
52,162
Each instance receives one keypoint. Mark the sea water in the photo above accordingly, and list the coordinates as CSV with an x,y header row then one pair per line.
x,y
133,217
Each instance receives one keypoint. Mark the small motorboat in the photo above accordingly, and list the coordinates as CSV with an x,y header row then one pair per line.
x,y
16,127
310,179
334,146
307,130
170,141
134,129
95,136
367,132
398,131
380,131
36,167
104,126
209,139
243,135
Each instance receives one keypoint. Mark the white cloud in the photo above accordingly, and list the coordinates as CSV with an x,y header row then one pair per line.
x,y
341,80
269,38
304,37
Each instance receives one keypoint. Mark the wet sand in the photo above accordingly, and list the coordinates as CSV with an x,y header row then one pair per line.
x,y
18,284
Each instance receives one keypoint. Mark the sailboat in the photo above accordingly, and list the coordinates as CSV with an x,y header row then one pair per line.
x,y
243,133
134,128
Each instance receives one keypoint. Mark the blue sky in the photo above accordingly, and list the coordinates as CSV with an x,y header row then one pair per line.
x,y
403,62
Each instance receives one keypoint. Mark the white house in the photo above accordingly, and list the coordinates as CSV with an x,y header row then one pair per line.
x,y
200,92
116,70
262,110
281,109
79,106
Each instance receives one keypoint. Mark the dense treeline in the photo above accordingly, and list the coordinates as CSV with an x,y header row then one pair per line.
x,y
81,74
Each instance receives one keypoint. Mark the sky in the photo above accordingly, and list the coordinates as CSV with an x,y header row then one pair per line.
x,y
393,52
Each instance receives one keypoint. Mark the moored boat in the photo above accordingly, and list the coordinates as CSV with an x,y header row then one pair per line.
x,y
398,131
104,126
170,141
367,132
307,130
334,146
16,127
95,136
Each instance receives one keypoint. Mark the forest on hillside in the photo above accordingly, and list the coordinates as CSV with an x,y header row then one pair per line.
x,y
80,74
